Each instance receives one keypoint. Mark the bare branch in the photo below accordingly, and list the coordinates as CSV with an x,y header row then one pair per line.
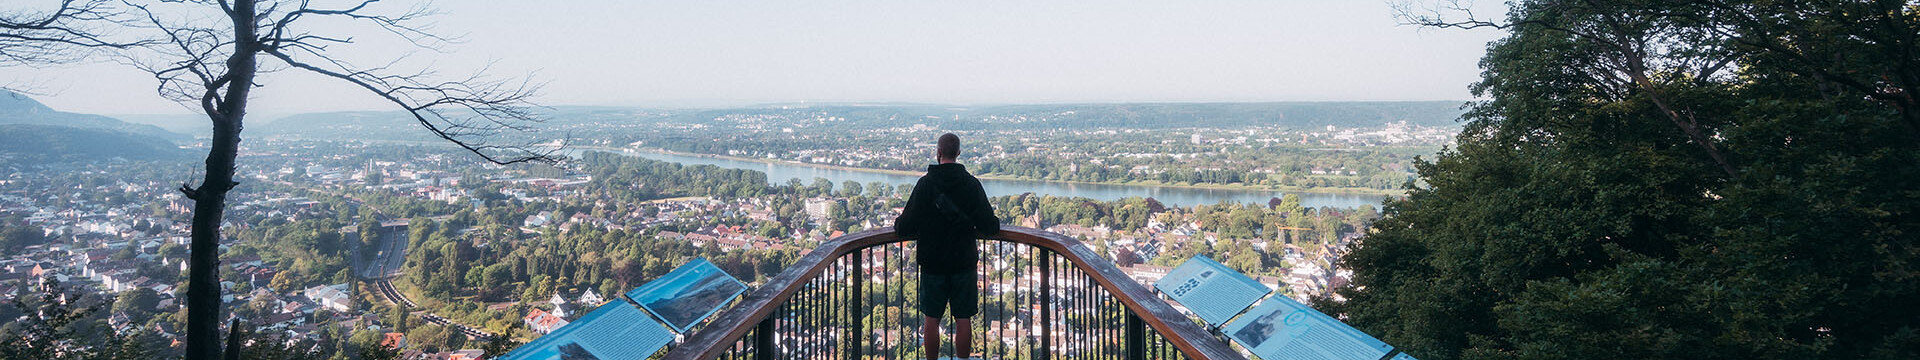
x,y
464,112
65,33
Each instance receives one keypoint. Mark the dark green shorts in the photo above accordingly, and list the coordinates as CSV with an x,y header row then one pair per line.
x,y
962,291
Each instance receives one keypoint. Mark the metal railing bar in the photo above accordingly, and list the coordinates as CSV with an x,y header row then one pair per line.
x,y
1189,339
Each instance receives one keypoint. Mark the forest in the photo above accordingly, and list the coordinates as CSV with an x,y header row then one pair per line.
x,y
1665,180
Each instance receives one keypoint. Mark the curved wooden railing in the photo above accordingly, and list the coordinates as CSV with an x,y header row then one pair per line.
x,y
813,309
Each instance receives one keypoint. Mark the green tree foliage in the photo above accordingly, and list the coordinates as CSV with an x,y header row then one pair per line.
x,y
850,188
308,251
1683,179
499,346
138,304
642,179
276,345
16,234
50,327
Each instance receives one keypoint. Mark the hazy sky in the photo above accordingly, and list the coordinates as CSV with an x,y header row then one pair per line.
x,y
726,52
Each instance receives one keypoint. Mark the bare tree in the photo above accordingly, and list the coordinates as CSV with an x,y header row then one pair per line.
x,y
213,66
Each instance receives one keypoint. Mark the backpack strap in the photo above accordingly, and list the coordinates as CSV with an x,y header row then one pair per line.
x,y
954,214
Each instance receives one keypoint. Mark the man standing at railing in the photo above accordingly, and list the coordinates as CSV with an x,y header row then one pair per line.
x,y
948,211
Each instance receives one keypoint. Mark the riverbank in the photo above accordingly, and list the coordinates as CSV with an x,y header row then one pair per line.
x,y
1237,187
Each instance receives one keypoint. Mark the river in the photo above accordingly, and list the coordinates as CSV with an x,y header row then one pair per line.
x,y
778,173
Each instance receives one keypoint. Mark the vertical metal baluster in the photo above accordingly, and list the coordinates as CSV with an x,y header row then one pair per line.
x,y
1136,337
1030,271
897,298
999,281
838,308
763,339
818,318
826,313
805,315
900,298
834,306
1021,330
1069,320
824,316
1121,310
824,333
845,290
991,334
908,334
1115,329
1046,308
858,299
1109,342
828,341
828,334
1025,298
882,342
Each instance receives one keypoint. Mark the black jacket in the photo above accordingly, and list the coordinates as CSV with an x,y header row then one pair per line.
x,y
947,246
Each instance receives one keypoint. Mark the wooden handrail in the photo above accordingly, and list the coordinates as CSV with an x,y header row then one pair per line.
x,y
1190,338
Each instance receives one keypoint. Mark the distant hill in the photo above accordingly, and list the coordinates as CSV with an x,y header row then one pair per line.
x,y
394,125
16,108
33,143
195,125
398,125
1298,115
362,125
1285,114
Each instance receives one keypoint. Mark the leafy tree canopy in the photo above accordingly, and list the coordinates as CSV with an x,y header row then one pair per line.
x,y
1579,217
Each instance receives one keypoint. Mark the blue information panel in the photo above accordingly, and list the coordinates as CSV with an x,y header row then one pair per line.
x,y
688,294
1284,329
615,331
1211,290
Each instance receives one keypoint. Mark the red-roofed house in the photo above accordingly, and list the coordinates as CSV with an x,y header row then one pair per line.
x,y
543,322
394,340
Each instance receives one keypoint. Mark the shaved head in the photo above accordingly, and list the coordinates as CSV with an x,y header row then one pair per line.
x,y
948,147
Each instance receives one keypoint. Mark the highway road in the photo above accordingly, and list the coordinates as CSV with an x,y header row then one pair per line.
x,y
388,263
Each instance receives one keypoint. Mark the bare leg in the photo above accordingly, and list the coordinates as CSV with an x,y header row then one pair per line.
x,y
930,332
963,337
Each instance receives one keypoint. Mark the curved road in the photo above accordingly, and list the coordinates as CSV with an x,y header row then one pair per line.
x,y
386,266
392,295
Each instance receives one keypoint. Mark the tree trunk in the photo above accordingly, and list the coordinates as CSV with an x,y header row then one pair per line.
x,y
203,277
